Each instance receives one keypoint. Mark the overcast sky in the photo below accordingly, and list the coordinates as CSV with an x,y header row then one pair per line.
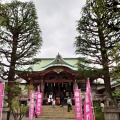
x,y
57,20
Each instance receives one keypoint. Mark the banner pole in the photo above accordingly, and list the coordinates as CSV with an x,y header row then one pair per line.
x,y
2,94
92,106
91,101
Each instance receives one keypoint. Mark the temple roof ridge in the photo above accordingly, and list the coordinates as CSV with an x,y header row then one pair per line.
x,y
59,61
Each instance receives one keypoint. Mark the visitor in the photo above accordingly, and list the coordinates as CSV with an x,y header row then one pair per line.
x,y
53,103
69,104
61,99
48,101
50,96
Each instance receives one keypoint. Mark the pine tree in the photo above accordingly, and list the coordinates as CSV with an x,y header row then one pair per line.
x,y
20,39
98,36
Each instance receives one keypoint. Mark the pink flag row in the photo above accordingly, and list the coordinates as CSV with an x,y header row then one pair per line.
x,y
78,104
35,106
38,108
31,107
88,107
1,99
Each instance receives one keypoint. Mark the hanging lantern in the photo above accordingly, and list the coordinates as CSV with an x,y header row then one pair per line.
x,y
69,84
54,84
47,84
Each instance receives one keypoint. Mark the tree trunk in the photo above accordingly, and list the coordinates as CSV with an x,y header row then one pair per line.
x,y
10,90
105,60
11,73
107,81
8,115
10,97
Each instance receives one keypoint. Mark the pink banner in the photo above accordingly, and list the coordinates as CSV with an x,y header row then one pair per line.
x,y
31,108
88,109
1,99
38,108
78,104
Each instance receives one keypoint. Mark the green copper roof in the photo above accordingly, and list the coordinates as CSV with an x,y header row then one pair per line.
x,y
57,61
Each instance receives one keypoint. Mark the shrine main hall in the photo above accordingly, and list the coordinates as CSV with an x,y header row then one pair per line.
x,y
55,75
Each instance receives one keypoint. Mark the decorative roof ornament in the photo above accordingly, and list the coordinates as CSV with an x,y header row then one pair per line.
x,y
58,70
59,61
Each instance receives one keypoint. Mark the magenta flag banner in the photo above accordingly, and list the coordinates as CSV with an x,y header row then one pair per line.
x,y
78,104
88,108
1,99
31,108
38,108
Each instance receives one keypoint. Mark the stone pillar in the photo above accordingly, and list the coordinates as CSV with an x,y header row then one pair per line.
x,y
111,113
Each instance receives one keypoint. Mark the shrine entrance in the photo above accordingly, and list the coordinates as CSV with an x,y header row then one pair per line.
x,y
56,88
53,75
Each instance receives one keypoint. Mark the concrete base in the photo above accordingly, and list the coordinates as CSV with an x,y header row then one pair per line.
x,y
4,114
111,113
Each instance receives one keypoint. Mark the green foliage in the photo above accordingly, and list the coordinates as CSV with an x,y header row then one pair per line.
x,y
18,110
99,115
29,87
20,40
97,38
20,34
115,73
15,89
116,93
93,28
85,70
2,15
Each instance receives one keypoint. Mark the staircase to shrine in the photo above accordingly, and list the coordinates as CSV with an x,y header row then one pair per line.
x,y
57,112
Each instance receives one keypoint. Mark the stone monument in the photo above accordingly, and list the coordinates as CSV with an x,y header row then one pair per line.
x,y
111,109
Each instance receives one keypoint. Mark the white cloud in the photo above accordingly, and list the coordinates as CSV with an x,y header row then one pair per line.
x,y
57,19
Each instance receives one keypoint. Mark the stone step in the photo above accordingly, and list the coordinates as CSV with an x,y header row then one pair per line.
x,y
57,112
62,117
